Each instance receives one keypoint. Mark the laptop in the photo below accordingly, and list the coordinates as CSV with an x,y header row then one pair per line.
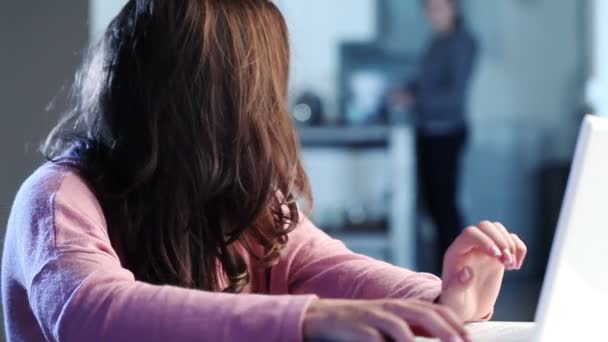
x,y
574,297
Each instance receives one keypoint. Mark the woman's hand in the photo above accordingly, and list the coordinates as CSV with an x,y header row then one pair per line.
x,y
379,320
473,269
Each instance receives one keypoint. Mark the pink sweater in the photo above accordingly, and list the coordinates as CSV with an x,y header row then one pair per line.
x,y
62,280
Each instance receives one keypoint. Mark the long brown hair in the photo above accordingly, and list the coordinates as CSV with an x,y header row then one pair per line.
x,y
180,127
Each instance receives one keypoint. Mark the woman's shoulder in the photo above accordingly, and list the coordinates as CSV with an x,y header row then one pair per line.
x,y
37,191
46,181
50,187
54,212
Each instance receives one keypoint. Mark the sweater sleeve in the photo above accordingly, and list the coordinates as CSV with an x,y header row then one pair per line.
x,y
316,263
79,292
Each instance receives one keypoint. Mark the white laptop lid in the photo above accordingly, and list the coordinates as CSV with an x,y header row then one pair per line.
x,y
574,300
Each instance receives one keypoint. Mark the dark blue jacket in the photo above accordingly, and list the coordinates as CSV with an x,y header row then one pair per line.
x,y
440,88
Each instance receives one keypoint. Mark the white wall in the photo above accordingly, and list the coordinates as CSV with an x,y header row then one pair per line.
x,y
101,13
531,64
597,91
404,27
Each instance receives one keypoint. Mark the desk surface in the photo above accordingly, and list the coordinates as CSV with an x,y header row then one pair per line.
x,y
497,331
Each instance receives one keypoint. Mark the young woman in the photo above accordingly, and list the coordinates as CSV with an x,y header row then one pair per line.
x,y
438,96
169,208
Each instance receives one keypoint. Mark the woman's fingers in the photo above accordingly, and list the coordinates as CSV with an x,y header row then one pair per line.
x,y
366,333
390,325
511,242
506,235
521,250
427,318
450,316
500,239
378,320
473,237
495,239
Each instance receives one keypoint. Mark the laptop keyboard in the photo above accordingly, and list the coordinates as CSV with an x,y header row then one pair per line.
x,y
497,332
501,331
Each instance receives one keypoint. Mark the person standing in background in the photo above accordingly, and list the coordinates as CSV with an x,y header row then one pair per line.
x,y
438,97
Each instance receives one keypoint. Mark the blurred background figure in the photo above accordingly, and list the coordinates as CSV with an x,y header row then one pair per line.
x,y
438,97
